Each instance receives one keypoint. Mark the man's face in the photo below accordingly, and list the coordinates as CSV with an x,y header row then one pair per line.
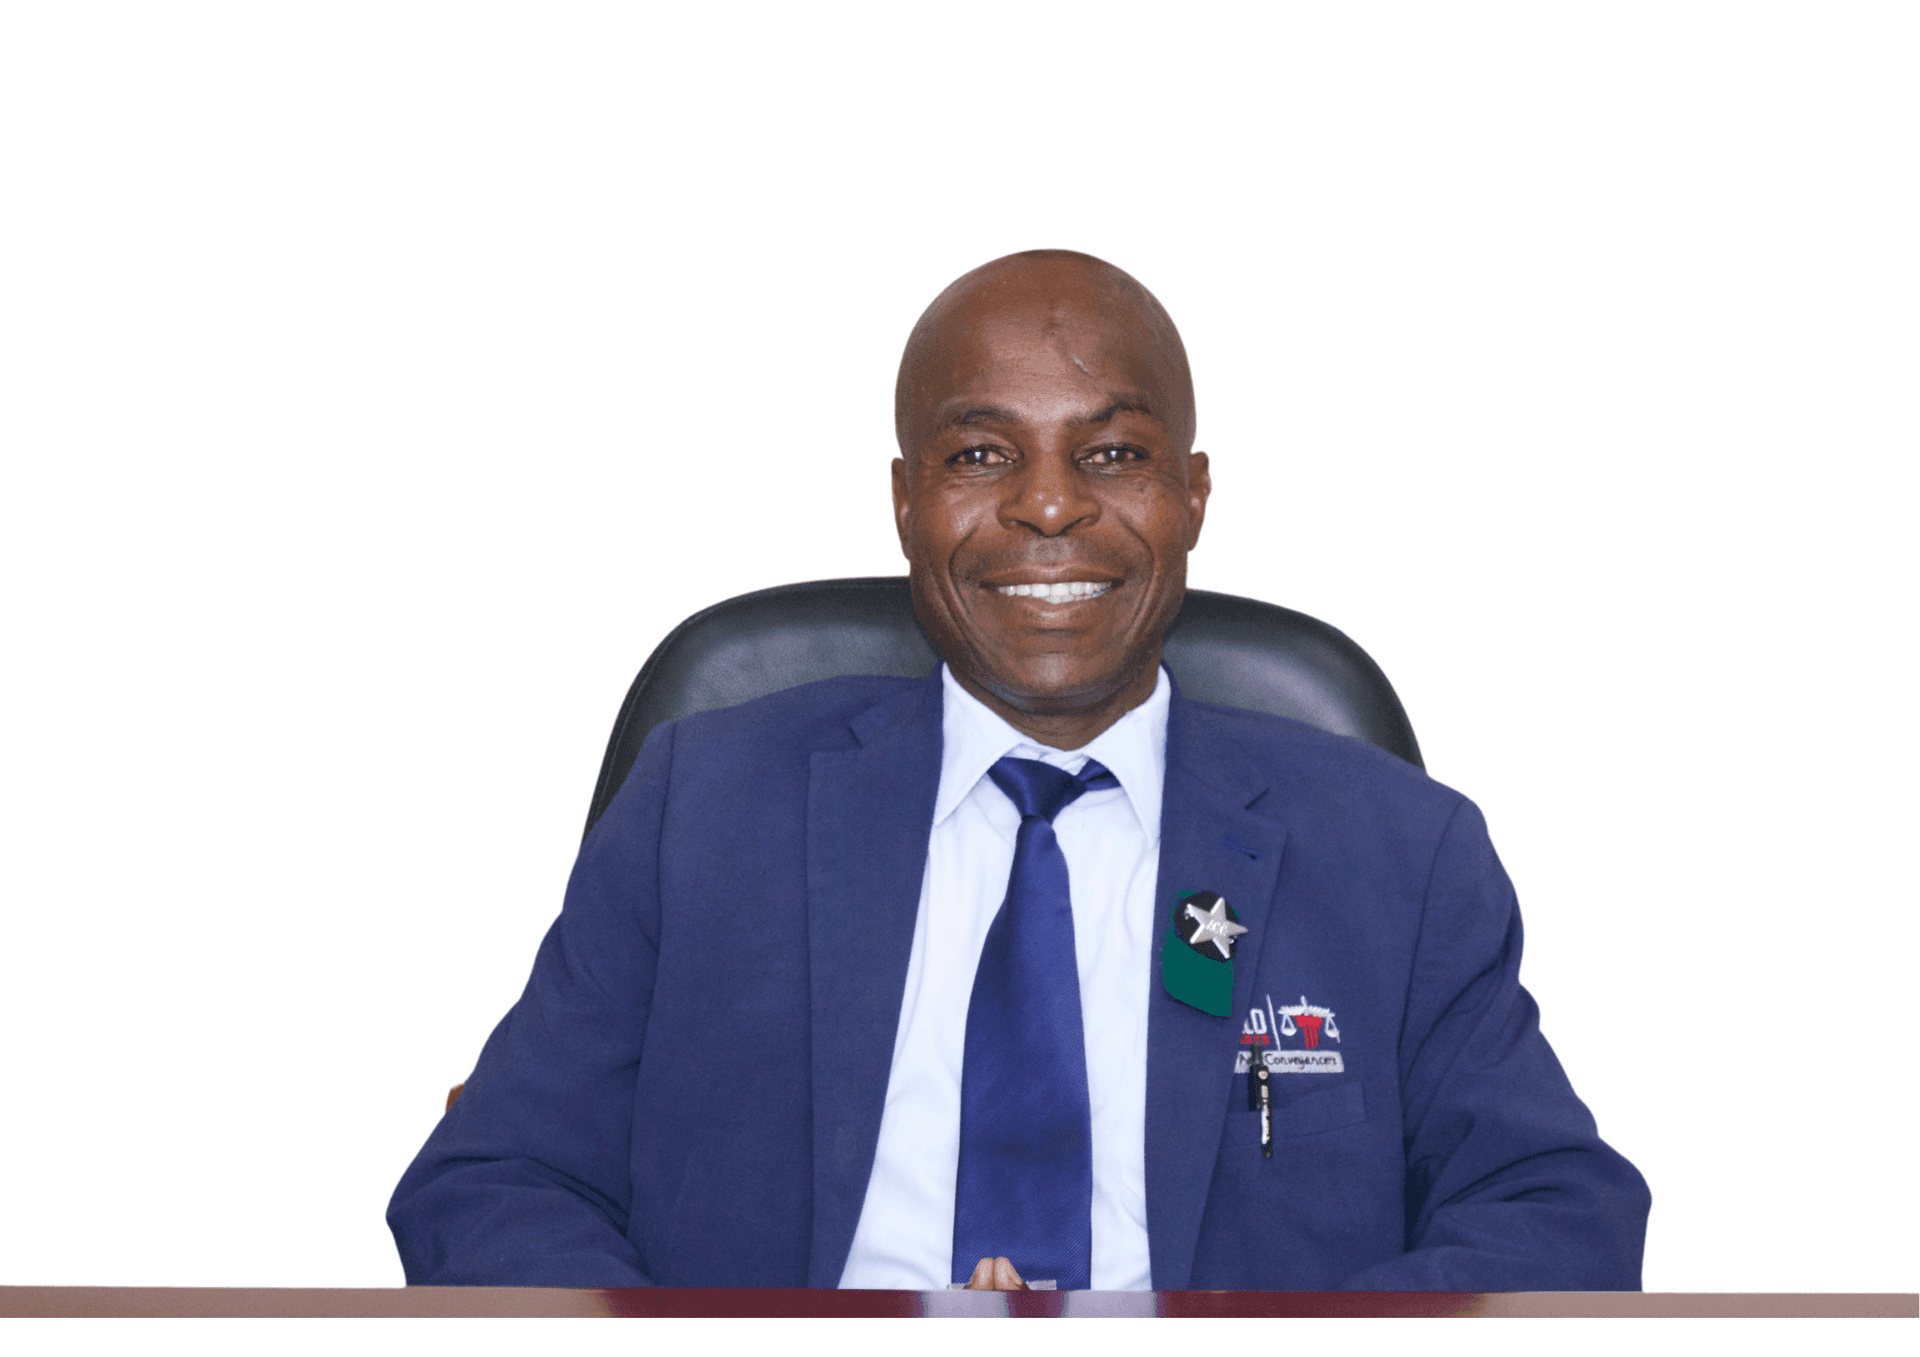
x,y
1046,502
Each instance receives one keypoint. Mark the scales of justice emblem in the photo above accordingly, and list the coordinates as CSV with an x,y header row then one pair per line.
x,y
1307,1023
1310,1020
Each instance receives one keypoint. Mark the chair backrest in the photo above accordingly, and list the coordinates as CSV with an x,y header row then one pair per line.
x,y
1223,649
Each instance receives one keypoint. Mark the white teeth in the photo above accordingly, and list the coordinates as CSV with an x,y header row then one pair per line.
x,y
1056,593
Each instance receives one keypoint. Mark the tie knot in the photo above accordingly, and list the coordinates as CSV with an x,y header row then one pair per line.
x,y
1037,788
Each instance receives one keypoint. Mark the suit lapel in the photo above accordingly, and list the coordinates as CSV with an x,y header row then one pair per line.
x,y
1210,839
869,812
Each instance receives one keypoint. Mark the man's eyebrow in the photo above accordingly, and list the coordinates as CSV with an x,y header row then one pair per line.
x,y
973,416
1118,405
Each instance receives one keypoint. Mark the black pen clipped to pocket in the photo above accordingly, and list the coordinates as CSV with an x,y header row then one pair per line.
x,y
1260,1099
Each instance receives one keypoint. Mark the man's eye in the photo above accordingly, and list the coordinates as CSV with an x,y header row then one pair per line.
x,y
1114,454
981,456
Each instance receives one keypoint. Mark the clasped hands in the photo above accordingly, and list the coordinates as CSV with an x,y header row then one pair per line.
x,y
995,1274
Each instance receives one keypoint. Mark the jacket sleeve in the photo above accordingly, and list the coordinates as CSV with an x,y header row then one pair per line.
x,y
1509,1186
527,1181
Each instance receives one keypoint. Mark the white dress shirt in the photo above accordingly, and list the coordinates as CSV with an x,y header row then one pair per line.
x,y
1111,841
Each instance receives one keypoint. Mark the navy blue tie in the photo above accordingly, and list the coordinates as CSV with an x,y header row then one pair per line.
x,y
1025,1186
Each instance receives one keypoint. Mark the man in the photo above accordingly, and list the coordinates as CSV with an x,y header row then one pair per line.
x,y
881,982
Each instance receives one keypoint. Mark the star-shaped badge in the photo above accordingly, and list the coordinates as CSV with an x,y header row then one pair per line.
x,y
1213,926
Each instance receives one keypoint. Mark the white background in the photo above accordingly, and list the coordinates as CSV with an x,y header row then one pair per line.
x,y
379,383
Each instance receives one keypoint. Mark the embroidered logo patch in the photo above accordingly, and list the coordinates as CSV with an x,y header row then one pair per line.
x,y
1287,1039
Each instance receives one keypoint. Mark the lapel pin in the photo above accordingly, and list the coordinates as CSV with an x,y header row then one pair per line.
x,y
1196,956
1212,927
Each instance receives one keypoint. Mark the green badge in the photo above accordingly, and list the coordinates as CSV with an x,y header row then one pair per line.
x,y
1196,959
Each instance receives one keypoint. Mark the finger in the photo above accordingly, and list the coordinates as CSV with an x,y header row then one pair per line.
x,y
1005,1278
982,1278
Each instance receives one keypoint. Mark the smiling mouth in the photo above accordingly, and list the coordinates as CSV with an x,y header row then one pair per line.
x,y
1070,591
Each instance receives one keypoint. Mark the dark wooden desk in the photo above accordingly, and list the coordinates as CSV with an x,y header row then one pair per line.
x,y
552,1302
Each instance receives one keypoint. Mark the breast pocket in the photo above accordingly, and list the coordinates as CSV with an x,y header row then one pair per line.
x,y
1326,1109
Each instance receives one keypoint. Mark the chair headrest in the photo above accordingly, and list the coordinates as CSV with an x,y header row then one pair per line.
x,y
1232,651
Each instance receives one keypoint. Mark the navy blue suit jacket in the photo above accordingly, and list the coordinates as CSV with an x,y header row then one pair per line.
x,y
689,1091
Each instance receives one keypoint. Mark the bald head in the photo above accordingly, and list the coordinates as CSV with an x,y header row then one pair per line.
x,y
1088,310
1047,492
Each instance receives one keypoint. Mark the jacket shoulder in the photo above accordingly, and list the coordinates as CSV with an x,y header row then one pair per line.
x,y
810,716
1309,762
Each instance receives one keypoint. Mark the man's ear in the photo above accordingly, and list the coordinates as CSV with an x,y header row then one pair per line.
x,y
900,503
1199,487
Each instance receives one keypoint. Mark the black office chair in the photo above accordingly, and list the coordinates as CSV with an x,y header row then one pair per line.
x,y
1233,651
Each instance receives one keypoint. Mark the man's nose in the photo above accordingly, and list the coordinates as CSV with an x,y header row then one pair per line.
x,y
1050,495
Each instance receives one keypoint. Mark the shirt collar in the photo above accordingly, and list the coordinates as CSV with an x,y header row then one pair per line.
x,y
1134,750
